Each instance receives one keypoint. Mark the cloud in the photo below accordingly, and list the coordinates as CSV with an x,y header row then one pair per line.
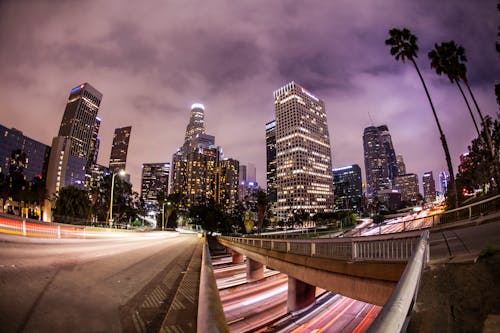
x,y
152,60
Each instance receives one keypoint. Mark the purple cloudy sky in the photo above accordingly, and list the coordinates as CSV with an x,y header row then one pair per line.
x,y
153,59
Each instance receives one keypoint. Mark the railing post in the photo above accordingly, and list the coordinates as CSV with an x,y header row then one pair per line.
x,y
287,246
58,232
24,228
470,212
354,254
313,249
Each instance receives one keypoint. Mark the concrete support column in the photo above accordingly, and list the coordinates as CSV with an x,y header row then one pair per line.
x,y
237,257
300,294
255,270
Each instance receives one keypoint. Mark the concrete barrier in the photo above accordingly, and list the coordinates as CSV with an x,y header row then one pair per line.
x,y
210,314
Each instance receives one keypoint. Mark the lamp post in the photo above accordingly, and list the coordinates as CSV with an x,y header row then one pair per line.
x,y
169,211
121,173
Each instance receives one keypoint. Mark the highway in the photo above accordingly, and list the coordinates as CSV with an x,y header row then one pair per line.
x,y
93,285
261,306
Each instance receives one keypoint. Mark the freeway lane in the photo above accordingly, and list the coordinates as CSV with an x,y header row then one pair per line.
x,y
105,285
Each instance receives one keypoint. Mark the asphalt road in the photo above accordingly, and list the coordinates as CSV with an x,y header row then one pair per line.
x,y
466,241
105,285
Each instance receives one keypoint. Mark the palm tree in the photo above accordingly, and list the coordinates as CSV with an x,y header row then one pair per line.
x,y
404,47
449,58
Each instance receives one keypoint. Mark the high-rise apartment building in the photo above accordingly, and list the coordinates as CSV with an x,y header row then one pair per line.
x,y
429,187
380,159
271,164
407,185
304,178
348,188
154,180
119,149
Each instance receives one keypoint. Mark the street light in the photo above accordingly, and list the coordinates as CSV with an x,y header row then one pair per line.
x,y
121,173
169,211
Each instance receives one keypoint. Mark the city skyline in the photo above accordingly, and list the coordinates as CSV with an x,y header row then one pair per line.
x,y
335,50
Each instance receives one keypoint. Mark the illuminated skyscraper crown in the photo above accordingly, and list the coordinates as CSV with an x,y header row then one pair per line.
x,y
196,124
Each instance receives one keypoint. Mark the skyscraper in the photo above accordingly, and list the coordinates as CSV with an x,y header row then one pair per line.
x,y
79,119
348,187
271,163
380,159
401,165
385,139
196,165
119,149
74,150
377,173
304,178
444,178
429,187
154,180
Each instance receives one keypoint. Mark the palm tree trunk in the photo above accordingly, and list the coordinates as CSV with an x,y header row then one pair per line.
x,y
468,107
486,129
443,138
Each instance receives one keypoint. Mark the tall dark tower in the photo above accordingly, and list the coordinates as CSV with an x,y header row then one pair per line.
x,y
118,158
271,162
377,172
392,164
79,120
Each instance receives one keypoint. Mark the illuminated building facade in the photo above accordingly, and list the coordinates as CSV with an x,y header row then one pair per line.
x,y
348,188
380,160
79,120
303,155
119,149
271,164
154,180
407,185
444,178
227,183
74,150
429,187
198,167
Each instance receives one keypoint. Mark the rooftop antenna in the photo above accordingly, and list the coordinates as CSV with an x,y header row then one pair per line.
x,y
371,119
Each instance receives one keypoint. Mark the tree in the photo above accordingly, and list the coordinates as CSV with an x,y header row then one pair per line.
x,y
72,202
449,58
404,47
478,167
262,208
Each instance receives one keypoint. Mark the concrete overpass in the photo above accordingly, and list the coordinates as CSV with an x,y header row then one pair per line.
x,y
367,268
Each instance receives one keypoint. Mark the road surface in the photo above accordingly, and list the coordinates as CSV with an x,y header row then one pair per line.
x,y
105,285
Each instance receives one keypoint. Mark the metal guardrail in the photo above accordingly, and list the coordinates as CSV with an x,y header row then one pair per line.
x,y
390,247
210,313
395,315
